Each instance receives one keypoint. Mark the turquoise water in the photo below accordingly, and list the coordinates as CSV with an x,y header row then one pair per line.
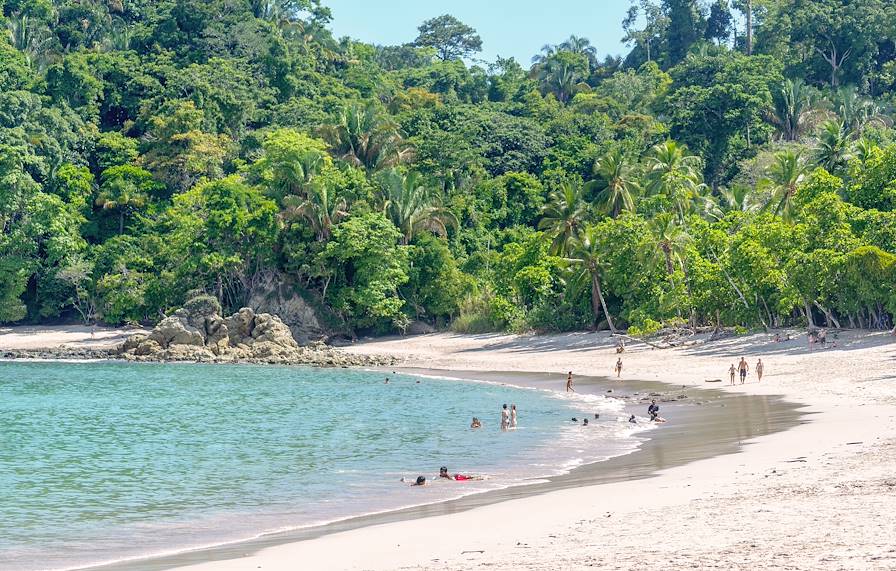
x,y
107,461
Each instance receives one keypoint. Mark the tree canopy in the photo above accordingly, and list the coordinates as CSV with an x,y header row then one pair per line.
x,y
737,167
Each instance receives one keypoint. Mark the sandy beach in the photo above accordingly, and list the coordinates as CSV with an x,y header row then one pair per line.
x,y
817,496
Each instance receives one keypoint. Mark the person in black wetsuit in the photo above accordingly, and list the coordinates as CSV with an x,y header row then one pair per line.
x,y
653,410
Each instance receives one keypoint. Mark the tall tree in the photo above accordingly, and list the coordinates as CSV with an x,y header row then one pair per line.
x,y
685,28
586,255
719,23
451,38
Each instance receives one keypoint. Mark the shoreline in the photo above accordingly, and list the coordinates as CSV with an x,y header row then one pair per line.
x,y
665,446
817,496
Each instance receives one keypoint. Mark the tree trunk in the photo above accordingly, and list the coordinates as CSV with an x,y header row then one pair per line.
x,y
595,289
809,319
121,221
749,15
828,316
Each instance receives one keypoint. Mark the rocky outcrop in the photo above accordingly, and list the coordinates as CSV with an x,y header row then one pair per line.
x,y
197,332
279,297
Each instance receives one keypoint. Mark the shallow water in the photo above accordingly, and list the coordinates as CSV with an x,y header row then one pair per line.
x,y
102,462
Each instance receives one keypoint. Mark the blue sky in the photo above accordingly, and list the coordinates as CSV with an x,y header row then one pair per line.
x,y
516,28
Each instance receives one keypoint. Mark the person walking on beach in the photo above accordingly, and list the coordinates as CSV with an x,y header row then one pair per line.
x,y
618,367
743,367
569,383
505,417
731,372
759,368
513,416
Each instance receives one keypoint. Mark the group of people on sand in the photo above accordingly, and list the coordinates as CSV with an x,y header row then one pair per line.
x,y
743,368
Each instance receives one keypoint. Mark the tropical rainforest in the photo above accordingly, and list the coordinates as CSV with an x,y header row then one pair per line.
x,y
736,168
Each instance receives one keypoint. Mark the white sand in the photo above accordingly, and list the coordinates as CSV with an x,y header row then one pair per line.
x,y
807,498
55,336
819,496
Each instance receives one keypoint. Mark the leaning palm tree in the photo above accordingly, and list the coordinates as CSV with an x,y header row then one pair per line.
x,y
322,209
794,109
616,185
833,149
363,137
562,216
782,180
413,206
586,257
674,173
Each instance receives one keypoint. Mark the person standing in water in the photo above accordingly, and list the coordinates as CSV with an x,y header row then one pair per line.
x,y
569,383
513,416
505,417
618,367
731,372
759,368
743,367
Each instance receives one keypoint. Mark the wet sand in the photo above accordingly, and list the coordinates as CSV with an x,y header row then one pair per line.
x,y
701,424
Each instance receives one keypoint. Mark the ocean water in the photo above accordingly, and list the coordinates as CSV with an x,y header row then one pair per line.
x,y
104,462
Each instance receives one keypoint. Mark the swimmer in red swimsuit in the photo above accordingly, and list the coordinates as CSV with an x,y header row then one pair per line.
x,y
443,473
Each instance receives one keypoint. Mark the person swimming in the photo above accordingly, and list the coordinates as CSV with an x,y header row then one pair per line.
x,y
476,423
596,416
585,422
443,473
632,419
574,419
420,481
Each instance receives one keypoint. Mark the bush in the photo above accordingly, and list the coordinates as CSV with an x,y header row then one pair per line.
x,y
203,305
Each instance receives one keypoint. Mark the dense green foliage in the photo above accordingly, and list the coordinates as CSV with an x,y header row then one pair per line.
x,y
736,167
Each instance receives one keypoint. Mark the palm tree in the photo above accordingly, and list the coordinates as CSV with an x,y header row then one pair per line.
x,y
616,186
667,241
363,137
562,216
412,205
674,173
833,149
794,109
562,75
737,198
865,149
322,209
122,196
856,112
783,178
579,45
586,256
31,37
